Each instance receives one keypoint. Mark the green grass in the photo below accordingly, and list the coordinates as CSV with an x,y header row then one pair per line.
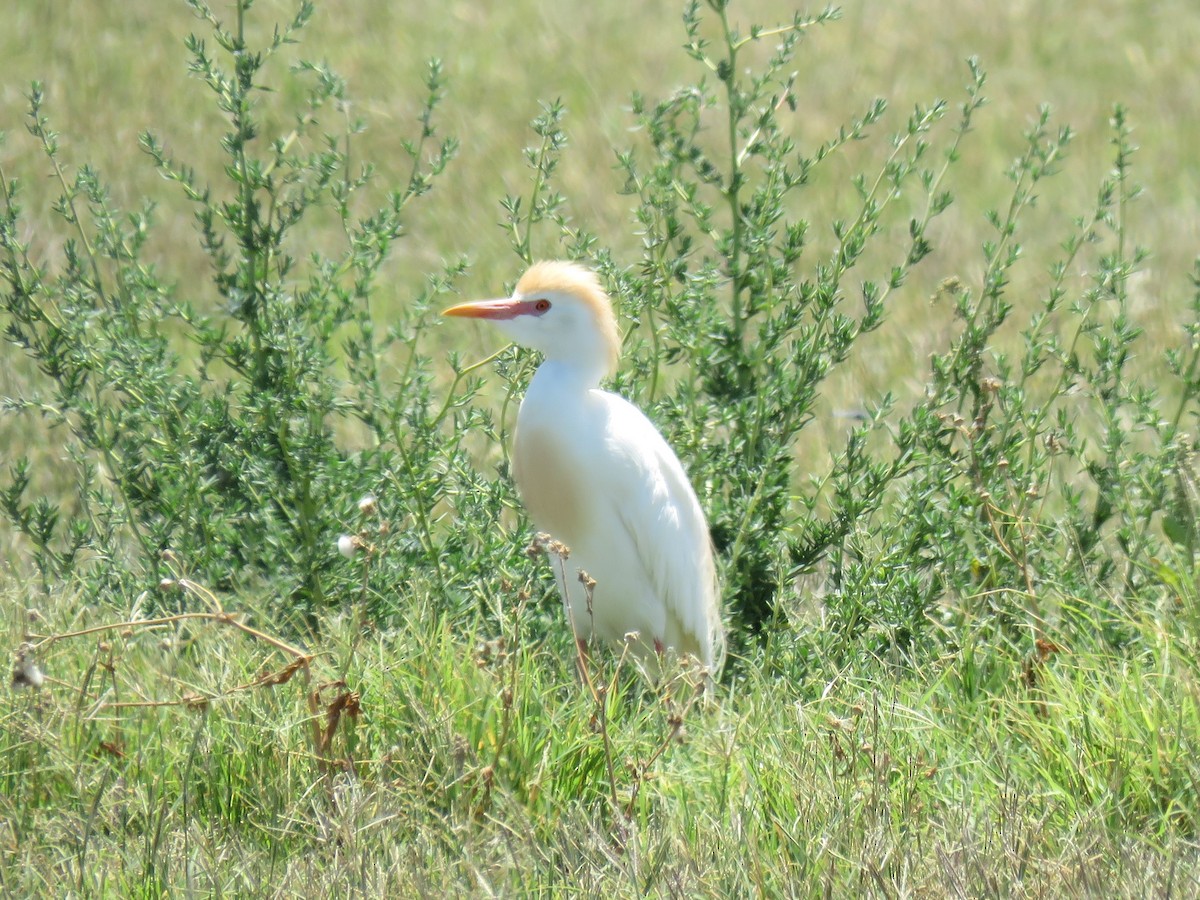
x,y
1027,744
970,777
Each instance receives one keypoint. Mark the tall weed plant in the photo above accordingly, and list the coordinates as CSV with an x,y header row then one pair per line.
x,y
1042,489
207,422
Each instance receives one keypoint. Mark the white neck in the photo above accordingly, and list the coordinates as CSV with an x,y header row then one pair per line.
x,y
575,375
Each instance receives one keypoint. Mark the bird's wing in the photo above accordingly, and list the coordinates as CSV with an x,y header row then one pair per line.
x,y
659,509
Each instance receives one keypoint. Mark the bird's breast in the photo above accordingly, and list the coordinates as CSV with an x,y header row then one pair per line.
x,y
550,480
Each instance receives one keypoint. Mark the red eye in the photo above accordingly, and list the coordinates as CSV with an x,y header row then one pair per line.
x,y
541,305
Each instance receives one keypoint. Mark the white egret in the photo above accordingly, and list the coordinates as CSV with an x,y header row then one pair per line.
x,y
596,475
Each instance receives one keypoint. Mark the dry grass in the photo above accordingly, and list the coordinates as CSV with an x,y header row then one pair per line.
x,y
112,72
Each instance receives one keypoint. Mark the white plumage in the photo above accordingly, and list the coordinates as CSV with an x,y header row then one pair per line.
x,y
595,473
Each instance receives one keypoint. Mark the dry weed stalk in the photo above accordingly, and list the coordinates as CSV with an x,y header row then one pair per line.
x,y
300,659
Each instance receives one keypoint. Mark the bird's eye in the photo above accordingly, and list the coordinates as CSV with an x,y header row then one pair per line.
x,y
541,305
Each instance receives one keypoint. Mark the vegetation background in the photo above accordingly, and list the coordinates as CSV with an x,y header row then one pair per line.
x,y
1004,715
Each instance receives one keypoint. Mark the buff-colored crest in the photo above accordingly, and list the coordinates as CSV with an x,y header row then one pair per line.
x,y
579,282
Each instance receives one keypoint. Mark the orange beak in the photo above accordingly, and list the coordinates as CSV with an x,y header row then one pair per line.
x,y
492,309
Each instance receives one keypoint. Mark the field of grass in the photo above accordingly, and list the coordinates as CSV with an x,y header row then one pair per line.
x,y
1030,728
964,779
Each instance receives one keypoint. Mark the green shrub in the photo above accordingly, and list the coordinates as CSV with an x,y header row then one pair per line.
x,y
1027,479
240,426
211,423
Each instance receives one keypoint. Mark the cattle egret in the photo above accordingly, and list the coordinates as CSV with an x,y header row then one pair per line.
x,y
596,475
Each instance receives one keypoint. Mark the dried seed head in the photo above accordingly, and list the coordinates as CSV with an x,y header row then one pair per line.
x,y
483,653
487,652
459,752
367,505
536,545
951,286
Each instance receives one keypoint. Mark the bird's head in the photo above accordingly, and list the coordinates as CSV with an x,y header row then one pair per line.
x,y
559,309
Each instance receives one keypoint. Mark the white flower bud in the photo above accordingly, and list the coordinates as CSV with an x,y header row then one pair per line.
x,y
25,669
32,675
